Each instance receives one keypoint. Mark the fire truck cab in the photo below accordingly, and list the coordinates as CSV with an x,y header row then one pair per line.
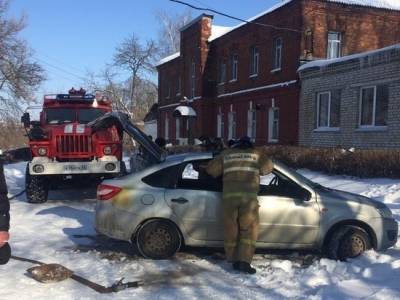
x,y
63,147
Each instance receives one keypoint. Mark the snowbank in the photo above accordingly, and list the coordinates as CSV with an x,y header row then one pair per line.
x,y
61,231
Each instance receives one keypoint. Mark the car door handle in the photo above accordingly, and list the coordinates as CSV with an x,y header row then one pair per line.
x,y
180,200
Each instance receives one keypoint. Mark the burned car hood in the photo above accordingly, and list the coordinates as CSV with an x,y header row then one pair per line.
x,y
124,123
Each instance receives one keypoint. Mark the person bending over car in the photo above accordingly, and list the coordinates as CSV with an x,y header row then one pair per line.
x,y
241,167
5,250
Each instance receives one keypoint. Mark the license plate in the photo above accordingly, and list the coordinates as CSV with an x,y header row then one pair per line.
x,y
76,167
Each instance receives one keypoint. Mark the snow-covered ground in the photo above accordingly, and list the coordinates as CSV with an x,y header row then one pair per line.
x,y
61,231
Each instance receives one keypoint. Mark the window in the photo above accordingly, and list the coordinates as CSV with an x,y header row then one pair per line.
x,y
166,133
220,125
232,125
374,105
328,109
165,178
85,115
277,184
234,67
254,58
222,72
177,128
178,86
273,125
60,116
277,59
192,79
334,45
251,124
192,177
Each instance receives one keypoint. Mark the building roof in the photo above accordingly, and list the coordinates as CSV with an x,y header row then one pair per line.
x,y
328,62
219,31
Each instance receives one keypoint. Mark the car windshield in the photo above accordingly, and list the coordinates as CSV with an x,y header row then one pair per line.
x,y
60,115
89,114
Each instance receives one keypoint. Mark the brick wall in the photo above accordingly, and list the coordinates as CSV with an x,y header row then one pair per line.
x,y
349,77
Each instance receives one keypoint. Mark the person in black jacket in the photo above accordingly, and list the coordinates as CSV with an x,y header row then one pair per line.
x,y
5,250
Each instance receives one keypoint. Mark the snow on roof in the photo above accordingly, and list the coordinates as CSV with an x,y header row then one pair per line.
x,y
326,62
185,111
168,58
217,31
387,4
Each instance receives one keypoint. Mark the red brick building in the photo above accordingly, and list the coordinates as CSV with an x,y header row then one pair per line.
x,y
244,81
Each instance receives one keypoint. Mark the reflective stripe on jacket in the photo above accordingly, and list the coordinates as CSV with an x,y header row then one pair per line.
x,y
241,169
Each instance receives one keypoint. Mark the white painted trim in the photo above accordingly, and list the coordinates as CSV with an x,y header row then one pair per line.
x,y
371,128
170,105
276,70
327,129
329,108
270,86
373,108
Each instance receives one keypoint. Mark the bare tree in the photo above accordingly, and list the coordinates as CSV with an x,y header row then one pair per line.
x,y
19,76
169,31
136,58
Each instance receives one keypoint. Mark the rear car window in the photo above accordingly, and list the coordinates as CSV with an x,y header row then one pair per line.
x,y
164,178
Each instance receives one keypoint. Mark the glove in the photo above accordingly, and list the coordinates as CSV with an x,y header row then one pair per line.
x,y
5,254
4,236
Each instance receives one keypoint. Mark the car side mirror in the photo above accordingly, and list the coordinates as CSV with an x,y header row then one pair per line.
x,y
26,120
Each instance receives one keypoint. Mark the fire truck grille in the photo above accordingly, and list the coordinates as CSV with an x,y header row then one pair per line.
x,y
74,144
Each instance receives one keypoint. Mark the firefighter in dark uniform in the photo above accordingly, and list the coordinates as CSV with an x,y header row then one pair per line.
x,y
241,167
5,251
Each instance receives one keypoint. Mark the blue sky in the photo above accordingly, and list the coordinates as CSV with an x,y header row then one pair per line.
x,y
70,37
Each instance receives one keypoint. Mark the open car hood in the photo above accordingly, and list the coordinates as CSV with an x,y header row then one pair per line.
x,y
124,123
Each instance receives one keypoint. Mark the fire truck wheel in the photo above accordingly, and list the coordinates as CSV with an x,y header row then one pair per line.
x,y
36,188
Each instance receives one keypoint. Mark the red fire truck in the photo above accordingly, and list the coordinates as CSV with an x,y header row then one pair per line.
x,y
64,148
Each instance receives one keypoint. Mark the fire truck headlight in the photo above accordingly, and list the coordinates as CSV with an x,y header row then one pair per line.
x,y
38,168
107,150
42,151
110,167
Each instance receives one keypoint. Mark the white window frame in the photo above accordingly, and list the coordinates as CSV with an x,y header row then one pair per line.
x,y
254,61
373,125
329,109
234,66
331,44
252,124
177,128
220,125
277,55
272,122
222,73
178,89
166,128
232,125
192,79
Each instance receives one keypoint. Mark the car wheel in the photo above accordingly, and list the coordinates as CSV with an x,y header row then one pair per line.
x,y
158,239
348,242
36,188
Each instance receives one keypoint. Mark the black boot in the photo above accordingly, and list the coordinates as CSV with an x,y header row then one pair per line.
x,y
235,265
244,267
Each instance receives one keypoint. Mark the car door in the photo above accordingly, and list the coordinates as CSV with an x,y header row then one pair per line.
x,y
289,214
196,202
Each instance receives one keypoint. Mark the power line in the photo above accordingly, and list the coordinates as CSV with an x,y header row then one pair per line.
x,y
235,18
60,69
60,62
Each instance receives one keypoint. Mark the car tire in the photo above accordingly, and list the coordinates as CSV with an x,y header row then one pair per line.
x,y
158,239
36,188
348,242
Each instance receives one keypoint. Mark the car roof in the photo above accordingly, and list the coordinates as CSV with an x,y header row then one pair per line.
x,y
181,157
